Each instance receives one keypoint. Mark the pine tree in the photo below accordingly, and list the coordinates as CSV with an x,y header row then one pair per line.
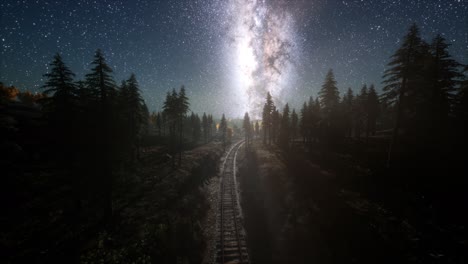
x,y
285,128
461,109
265,123
329,95
164,124
61,108
444,75
62,105
212,126
304,122
313,119
373,111
143,124
275,125
348,107
159,123
100,79
195,127
63,111
361,111
403,77
182,106
60,84
223,130
102,86
267,119
183,102
133,114
461,112
170,111
294,124
175,108
247,128
206,127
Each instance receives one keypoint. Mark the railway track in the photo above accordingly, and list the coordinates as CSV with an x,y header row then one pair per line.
x,y
231,246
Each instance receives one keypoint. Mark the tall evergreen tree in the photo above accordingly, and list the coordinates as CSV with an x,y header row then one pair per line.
x,y
60,84
61,108
267,119
402,78
212,126
206,127
101,87
461,112
373,111
265,123
329,95
195,127
461,109
285,128
294,124
361,111
159,123
304,122
444,75
100,79
348,107
247,129
182,108
143,124
314,119
223,130
170,112
275,125
175,108
133,114
62,104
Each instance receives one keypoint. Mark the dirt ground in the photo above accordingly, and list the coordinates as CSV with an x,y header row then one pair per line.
x,y
297,212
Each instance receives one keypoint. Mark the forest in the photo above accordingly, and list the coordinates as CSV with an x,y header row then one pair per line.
x,y
90,175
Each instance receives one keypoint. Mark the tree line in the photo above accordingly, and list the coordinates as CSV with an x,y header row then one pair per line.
x,y
95,129
96,125
174,124
424,99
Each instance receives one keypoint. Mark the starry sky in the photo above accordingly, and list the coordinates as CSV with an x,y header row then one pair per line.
x,y
227,53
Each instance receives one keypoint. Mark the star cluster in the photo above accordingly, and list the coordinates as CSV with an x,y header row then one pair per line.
x,y
227,53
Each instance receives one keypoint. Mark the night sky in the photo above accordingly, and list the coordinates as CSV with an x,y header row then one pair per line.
x,y
227,53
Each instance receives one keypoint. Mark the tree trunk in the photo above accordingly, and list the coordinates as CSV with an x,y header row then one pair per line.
x,y
396,129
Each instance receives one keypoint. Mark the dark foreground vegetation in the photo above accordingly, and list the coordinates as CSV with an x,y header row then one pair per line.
x,y
300,209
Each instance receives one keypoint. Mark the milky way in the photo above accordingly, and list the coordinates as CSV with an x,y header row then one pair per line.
x,y
227,53
261,37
